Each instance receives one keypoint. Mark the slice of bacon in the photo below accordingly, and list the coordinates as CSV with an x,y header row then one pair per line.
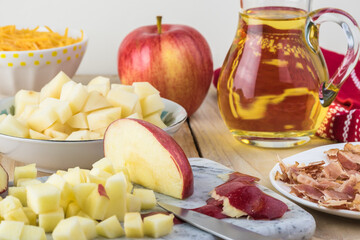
x,y
309,192
349,160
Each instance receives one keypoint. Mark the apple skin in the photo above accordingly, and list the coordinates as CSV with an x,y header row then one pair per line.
x,y
167,142
177,62
4,179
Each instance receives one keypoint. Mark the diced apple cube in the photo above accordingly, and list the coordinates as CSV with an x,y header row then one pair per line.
x,y
17,214
155,119
88,226
69,229
79,135
19,193
134,115
133,225
103,117
137,110
23,182
42,118
31,215
61,108
158,225
32,233
11,126
73,176
116,190
100,131
8,204
11,230
99,176
127,88
95,101
104,164
99,84
147,198
144,89
82,192
26,113
133,203
124,99
38,135
72,209
76,95
53,88
49,220
27,171
66,195
43,197
56,135
78,120
151,104
24,98
95,135
97,203
110,228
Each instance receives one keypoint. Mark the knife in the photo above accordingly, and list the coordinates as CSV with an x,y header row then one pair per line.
x,y
212,225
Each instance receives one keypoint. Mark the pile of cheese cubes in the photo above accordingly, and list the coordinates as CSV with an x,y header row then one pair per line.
x,y
79,204
66,110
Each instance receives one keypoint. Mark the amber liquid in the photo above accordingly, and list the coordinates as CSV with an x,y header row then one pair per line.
x,y
269,83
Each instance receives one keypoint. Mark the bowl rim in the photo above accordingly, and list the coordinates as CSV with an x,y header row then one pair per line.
x,y
83,41
48,141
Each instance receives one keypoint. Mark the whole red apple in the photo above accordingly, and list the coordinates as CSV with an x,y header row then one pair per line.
x,y
175,59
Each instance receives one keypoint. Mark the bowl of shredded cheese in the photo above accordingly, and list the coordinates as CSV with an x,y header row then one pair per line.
x,y
31,57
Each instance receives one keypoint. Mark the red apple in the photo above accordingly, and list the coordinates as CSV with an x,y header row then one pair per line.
x,y
175,59
152,158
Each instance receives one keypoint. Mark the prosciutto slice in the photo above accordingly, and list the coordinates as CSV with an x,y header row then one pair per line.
x,y
240,196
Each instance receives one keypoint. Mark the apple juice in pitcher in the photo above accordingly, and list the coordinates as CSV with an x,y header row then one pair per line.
x,y
270,80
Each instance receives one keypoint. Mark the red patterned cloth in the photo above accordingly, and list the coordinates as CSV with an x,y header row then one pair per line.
x,y
342,121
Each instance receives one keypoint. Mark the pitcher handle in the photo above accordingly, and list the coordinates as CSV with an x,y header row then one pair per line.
x,y
328,90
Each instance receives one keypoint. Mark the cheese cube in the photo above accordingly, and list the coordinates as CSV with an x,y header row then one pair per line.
x,y
49,220
110,228
133,225
43,197
158,225
32,233
147,198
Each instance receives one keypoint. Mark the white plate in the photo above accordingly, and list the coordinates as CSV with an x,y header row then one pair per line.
x,y
295,224
309,156
52,155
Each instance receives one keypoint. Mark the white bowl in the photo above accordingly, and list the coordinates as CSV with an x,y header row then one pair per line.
x,y
50,155
32,69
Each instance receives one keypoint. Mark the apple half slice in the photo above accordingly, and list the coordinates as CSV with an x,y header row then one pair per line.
x,y
152,158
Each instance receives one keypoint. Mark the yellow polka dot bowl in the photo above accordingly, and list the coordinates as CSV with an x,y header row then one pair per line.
x,y
32,69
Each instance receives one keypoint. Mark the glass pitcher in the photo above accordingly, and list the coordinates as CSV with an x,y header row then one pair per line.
x,y
274,82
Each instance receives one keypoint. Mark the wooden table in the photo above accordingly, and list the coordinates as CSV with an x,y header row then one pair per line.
x,y
205,135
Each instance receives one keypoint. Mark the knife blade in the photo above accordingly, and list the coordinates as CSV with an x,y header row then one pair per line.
x,y
212,225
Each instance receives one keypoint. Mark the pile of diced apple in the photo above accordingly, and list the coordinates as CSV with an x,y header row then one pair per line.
x,y
79,204
66,110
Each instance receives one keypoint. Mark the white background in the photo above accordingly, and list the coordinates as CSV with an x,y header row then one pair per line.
x,y
107,22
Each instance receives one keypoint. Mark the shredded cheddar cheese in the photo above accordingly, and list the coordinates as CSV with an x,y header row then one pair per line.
x,y
12,39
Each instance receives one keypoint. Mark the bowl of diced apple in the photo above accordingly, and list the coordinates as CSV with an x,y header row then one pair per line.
x,y
63,125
